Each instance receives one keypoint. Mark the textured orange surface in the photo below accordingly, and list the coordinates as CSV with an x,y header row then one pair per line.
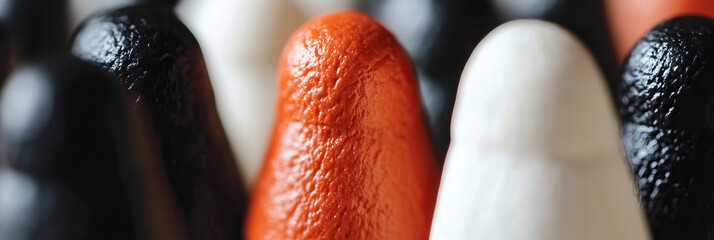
x,y
629,20
349,156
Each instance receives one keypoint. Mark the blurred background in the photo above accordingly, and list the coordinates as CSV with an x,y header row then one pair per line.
x,y
242,41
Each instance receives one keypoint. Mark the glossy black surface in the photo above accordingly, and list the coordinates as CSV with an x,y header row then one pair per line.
x,y
157,58
439,35
666,104
68,152
39,26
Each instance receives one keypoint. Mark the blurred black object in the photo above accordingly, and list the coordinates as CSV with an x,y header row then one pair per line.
x,y
8,54
170,2
73,157
666,98
39,26
157,59
441,34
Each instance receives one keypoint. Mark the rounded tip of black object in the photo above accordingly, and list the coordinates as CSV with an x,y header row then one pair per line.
x,y
666,104
146,46
159,62
673,58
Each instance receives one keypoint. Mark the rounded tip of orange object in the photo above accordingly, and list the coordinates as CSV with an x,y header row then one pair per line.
x,y
349,156
335,53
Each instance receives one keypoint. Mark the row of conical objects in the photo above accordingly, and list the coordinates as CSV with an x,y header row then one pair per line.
x,y
119,136
242,41
119,140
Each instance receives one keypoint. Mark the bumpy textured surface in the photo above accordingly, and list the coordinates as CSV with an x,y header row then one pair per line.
x,y
666,106
72,159
628,21
81,9
349,156
156,58
40,26
439,36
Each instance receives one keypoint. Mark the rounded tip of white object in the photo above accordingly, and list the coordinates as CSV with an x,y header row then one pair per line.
x,y
531,85
535,152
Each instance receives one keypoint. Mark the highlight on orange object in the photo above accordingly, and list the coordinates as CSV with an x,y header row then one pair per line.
x,y
349,156
629,20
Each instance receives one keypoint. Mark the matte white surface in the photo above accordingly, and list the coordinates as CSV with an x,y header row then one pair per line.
x,y
535,151
242,41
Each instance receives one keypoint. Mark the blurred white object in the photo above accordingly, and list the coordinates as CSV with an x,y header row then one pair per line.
x,y
316,7
242,41
535,150
81,9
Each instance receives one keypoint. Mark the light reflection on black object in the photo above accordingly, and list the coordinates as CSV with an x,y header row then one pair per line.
x,y
666,107
157,59
74,164
441,34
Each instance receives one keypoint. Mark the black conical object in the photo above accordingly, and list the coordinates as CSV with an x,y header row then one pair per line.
x,y
666,104
440,36
39,26
76,163
156,58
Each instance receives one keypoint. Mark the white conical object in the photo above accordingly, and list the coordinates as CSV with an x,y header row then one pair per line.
x,y
535,151
242,41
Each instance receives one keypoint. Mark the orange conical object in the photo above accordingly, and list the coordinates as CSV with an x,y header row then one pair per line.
x,y
349,156
629,20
